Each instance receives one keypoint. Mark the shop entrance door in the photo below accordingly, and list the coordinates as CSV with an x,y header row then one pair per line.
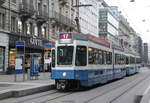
x,y
2,59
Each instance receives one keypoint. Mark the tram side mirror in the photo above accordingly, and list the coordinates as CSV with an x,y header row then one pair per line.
x,y
53,58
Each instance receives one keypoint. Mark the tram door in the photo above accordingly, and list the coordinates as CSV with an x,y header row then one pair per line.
x,y
53,58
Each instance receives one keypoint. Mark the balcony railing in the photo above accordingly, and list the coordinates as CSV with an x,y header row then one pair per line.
x,y
26,9
2,2
42,16
62,19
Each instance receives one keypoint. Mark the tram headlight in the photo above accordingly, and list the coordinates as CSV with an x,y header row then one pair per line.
x,y
64,74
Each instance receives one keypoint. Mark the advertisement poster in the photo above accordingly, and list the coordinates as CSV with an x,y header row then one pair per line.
x,y
18,64
47,54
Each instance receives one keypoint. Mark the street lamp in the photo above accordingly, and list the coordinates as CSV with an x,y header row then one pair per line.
x,y
132,0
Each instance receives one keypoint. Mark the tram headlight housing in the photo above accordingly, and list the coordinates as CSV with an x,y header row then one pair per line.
x,y
64,74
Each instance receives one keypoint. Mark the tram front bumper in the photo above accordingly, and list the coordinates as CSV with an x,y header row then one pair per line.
x,y
70,74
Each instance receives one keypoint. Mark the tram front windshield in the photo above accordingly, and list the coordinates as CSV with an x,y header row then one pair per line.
x,y
64,55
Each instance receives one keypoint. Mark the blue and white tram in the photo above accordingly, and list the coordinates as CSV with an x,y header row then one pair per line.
x,y
137,64
85,60
119,62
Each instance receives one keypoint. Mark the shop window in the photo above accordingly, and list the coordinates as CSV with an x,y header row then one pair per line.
x,y
2,58
12,55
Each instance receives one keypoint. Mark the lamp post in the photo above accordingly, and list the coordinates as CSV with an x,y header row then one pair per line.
x,y
77,17
20,56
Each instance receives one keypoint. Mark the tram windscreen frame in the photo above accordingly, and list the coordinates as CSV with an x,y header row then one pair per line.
x,y
65,55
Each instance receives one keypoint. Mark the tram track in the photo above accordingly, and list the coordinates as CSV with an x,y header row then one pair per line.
x,y
29,99
54,98
127,90
118,87
55,94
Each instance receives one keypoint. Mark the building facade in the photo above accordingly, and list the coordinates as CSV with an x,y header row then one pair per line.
x,y
62,17
4,30
134,41
25,20
88,17
109,24
124,33
145,55
129,39
37,23
140,46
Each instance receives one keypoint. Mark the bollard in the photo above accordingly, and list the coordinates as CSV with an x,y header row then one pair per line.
x,y
28,74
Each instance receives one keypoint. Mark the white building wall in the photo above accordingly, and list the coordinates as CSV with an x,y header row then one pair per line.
x,y
88,17
112,30
113,21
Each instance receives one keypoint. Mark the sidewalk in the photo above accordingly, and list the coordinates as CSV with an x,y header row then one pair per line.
x,y
10,88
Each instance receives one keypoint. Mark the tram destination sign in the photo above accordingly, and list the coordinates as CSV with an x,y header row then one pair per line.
x,y
65,38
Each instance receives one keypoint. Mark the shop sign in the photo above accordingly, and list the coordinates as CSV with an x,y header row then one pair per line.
x,y
31,42
36,42
20,44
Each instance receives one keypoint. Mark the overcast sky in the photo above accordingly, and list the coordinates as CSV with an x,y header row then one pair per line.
x,y
137,13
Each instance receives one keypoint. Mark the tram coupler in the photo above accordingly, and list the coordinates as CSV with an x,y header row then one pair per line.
x,y
61,84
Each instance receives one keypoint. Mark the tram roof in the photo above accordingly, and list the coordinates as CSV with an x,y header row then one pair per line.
x,y
88,37
98,40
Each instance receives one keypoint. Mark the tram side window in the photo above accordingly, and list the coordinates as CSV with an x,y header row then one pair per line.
x,y
93,55
122,59
127,60
117,58
90,57
109,58
104,57
100,61
138,60
96,56
81,56
132,60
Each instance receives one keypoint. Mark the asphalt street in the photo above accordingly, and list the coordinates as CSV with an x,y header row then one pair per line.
x,y
126,90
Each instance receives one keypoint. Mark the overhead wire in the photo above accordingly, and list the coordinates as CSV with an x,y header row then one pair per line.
x,y
128,18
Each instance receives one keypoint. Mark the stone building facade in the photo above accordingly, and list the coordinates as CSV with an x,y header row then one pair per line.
x,y
62,17
36,22
25,20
